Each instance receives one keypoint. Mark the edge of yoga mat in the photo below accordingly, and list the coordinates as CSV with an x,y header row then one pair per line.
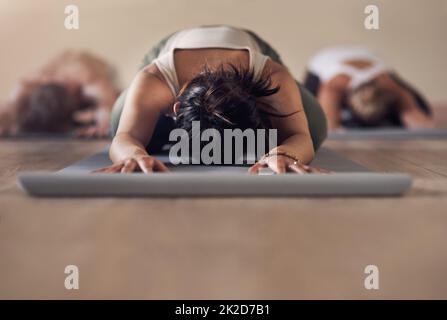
x,y
44,184
324,158
399,133
350,179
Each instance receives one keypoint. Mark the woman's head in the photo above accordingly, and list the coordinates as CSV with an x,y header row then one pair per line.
x,y
225,98
371,103
48,108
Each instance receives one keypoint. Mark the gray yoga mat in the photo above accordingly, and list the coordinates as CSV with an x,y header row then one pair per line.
x,y
325,158
351,179
389,133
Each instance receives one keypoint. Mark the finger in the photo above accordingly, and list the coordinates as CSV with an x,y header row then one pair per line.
x,y
115,168
103,132
145,165
319,170
254,169
91,132
86,116
160,166
129,166
296,168
278,165
79,132
281,168
112,168
87,132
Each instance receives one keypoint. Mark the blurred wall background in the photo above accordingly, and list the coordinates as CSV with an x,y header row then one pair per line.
x,y
412,33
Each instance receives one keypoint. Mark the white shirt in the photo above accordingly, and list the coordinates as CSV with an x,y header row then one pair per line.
x,y
330,62
208,37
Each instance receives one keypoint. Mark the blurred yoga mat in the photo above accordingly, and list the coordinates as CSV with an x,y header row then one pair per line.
x,y
398,133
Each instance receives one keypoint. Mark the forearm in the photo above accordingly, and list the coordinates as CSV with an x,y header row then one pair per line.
x,y
332,112
411,115
299,146
330,98
124,146
416,120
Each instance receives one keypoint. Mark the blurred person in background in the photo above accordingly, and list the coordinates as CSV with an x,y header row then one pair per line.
x,y
73,93
356,88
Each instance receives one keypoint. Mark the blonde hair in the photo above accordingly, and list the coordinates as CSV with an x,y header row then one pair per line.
x,y
371,103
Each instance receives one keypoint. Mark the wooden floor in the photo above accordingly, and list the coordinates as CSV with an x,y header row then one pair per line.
x,y
277,248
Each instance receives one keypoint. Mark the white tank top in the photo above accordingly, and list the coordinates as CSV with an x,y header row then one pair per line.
x,y
329,63
208,37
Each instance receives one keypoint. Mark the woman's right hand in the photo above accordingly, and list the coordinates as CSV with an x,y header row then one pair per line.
x,y
7,123
145,163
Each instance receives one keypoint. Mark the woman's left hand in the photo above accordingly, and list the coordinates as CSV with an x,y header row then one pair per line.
x,y
100,128
283,164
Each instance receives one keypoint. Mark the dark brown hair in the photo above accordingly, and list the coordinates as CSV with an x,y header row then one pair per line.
x,y
48,108
225,98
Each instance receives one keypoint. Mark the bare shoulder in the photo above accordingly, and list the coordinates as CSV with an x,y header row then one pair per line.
x,y
281,77
150,87
338,83
151,72
152,77
277,72
288,98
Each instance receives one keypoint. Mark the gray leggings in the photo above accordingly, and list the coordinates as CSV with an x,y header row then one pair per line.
x,y
315,115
